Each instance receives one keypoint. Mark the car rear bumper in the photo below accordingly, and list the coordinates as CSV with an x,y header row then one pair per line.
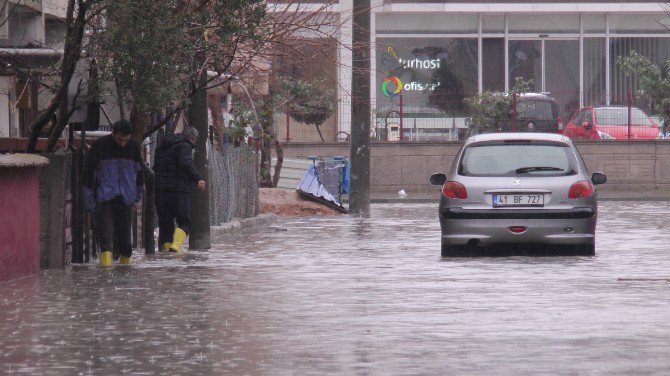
x,y
460,213
559,227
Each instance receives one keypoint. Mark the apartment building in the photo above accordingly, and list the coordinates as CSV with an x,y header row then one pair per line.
x,y
31,42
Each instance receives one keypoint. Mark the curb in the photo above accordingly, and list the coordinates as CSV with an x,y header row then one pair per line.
x,y
238,225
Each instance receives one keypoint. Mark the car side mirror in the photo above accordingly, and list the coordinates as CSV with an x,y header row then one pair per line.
x,y
438,179
586,125
598,178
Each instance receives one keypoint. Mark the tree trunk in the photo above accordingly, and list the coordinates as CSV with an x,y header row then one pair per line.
x,y
279,150
318,129
214,104
266,146
197,115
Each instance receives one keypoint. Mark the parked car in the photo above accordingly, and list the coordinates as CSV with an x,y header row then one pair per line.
x,y
507,189
611,122
535,112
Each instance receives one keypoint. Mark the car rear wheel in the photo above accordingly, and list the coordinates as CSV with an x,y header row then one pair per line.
x,y
454,251
585,250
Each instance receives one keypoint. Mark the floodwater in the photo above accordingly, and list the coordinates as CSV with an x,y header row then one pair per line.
x,y
336,295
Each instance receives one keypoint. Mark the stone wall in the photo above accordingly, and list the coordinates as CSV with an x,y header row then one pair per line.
x,y
636,169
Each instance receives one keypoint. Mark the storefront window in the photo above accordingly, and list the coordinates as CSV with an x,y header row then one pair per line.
x,y
593,23
433,75
525,61
639,23
543,23
561,74
403,23
594,72
493,64
493,24
657,50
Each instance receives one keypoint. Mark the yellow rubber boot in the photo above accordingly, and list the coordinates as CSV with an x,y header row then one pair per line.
x,y
124,260
166,246
177,240
105,259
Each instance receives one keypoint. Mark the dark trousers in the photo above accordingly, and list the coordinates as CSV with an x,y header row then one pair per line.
x,y
172,206
113,221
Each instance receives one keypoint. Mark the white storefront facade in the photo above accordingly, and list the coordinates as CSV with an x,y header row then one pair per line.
x,y
434,55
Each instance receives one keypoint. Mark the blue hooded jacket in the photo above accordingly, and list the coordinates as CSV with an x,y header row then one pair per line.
x,y
113,171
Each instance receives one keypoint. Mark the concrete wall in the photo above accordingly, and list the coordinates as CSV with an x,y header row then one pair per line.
x,y
20,226
636,169
54,184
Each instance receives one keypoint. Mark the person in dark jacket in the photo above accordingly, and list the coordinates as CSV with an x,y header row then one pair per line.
x,y
113,184
175,174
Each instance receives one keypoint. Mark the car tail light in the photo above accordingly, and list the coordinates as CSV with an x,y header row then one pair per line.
x,y
559,120
454,189
580,189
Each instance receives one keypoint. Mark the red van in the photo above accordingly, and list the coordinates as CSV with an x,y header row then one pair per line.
x,y
611,123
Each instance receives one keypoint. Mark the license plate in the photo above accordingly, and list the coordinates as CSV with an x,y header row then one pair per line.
x,y
521,199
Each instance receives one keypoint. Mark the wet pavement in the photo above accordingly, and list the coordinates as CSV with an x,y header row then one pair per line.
x,y
336,295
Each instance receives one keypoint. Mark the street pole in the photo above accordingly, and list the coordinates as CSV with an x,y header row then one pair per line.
x,y
359,192
199,238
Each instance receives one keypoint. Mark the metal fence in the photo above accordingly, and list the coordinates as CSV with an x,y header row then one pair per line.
x,y
233,182
447,118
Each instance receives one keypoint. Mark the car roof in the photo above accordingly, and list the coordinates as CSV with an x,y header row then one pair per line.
x,y
539,96
533,136
613,106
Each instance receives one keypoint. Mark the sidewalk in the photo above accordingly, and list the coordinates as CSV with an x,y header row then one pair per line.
x,y
239,225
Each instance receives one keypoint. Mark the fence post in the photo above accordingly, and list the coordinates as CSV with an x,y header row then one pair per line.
x,y
629,101
288,138
514,112
401,131
77,202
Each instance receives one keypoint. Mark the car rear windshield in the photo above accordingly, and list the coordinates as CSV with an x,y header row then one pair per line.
x,y
538,110
518,159
619,116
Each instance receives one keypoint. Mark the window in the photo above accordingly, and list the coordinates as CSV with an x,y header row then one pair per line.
x,y
639,23
504,159
619,116
493,69
657,50
430,73
404,23
543,23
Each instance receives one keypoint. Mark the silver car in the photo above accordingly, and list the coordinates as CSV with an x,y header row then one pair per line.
x,y
518,192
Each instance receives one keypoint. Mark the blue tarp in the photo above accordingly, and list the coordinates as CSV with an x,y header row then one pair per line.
x,y
310,187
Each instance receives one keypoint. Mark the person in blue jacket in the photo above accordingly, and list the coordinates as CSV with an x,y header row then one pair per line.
x,y
175,175
114,184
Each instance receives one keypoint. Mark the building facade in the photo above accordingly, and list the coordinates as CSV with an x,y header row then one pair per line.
x,y
432,55
31,43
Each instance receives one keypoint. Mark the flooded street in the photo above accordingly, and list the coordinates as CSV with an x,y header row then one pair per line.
x,y
336,295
